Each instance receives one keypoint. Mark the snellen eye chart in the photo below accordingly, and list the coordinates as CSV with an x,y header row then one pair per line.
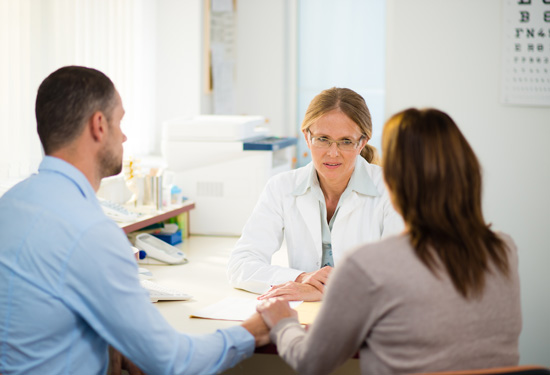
x,y
526,52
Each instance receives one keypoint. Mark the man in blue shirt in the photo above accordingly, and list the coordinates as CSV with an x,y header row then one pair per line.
x,y
69,285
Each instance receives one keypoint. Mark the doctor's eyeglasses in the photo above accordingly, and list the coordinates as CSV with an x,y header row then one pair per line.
x,y
343,144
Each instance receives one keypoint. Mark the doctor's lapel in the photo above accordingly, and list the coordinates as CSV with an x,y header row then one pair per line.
x,y
349,205
308,206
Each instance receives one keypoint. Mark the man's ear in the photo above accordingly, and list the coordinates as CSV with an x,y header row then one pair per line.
x,y
98,126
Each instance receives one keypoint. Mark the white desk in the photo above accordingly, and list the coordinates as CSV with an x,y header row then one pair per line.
x,y
205,278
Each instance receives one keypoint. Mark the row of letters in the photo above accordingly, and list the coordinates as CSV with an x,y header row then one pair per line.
x,y
525,16
518,47
531,33
531,60
528,2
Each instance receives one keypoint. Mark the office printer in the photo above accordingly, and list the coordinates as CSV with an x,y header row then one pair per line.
x,y
223,163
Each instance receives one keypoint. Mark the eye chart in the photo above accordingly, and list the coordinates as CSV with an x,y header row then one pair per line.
x,y
526,52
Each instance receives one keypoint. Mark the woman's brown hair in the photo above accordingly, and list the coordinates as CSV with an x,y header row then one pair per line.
x,y
434,179
352,105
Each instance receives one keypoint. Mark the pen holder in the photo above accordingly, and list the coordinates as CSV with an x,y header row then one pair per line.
x,y
152,194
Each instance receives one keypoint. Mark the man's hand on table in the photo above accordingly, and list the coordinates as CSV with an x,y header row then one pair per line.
x,y
257,327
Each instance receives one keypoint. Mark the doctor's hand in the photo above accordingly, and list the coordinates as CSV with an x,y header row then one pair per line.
x,y
293,291
317,278
275,309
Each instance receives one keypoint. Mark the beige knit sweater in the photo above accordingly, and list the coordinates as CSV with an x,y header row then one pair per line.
x,y
382,301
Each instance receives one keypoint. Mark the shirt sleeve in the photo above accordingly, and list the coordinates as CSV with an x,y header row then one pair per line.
x,y
101,285
346,321
249,265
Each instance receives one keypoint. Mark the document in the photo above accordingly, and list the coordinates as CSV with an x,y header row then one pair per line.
x,y
307,312
232,308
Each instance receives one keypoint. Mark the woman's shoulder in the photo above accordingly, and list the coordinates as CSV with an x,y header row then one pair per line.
x,y
386,250
383,260
507,239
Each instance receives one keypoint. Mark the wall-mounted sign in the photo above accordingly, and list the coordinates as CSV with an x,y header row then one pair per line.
x,y
526,52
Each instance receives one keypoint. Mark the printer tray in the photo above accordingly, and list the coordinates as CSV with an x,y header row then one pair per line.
x,y
269,144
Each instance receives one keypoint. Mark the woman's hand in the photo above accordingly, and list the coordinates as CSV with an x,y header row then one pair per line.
x,y
293,291
275,309
317,278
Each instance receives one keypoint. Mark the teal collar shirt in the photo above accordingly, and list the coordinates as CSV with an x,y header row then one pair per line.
x,y
69,287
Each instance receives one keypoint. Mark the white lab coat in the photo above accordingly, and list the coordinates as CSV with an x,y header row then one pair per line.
x,y
280,212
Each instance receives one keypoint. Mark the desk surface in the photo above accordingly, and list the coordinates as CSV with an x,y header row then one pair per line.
x,y
205,278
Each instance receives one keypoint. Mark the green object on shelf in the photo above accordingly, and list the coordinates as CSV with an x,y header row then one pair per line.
x,y
181,221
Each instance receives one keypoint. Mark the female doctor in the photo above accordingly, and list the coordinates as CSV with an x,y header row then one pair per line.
x,y
332,204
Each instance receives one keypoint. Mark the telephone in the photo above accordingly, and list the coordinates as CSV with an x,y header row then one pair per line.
x,y
159,250
117,212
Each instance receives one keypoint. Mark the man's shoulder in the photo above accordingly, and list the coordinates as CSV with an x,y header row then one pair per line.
x,y
56,200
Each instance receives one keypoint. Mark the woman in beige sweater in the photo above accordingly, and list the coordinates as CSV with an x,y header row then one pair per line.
x,y
443,295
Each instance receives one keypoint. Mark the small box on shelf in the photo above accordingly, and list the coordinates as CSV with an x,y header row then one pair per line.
x,y
171,238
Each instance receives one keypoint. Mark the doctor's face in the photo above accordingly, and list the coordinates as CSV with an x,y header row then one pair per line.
x,y
334,164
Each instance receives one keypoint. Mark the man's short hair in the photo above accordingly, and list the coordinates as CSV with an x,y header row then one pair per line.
x,y
66,100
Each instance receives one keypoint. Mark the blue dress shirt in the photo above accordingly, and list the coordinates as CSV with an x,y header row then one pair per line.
x,y
69,287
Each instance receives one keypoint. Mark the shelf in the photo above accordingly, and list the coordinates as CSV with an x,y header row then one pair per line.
x,y
157,217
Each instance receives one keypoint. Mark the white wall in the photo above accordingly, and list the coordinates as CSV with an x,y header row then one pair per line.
x,y
447,54
38,37
179,56
265,66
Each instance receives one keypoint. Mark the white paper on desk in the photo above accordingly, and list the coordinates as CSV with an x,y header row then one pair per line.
x,y
232,308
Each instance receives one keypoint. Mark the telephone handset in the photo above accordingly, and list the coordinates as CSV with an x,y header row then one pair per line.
x,y
117,212
158,249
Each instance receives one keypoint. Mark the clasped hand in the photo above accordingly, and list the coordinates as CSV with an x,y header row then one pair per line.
x,y
268,313
308,286
275,309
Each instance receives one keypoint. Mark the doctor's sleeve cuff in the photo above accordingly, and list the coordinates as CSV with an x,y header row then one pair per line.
x,y
264,278
285,274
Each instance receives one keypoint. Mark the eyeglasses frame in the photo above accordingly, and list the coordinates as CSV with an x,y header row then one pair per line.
x,y
331,141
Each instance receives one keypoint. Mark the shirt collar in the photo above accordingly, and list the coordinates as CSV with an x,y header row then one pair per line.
x,y
56,165
307,182
359,182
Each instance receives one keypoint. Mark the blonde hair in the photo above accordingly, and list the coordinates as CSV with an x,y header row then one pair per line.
x,y
352,105
434,179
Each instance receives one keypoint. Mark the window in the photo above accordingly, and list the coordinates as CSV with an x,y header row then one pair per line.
x,y
38,37
341,43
